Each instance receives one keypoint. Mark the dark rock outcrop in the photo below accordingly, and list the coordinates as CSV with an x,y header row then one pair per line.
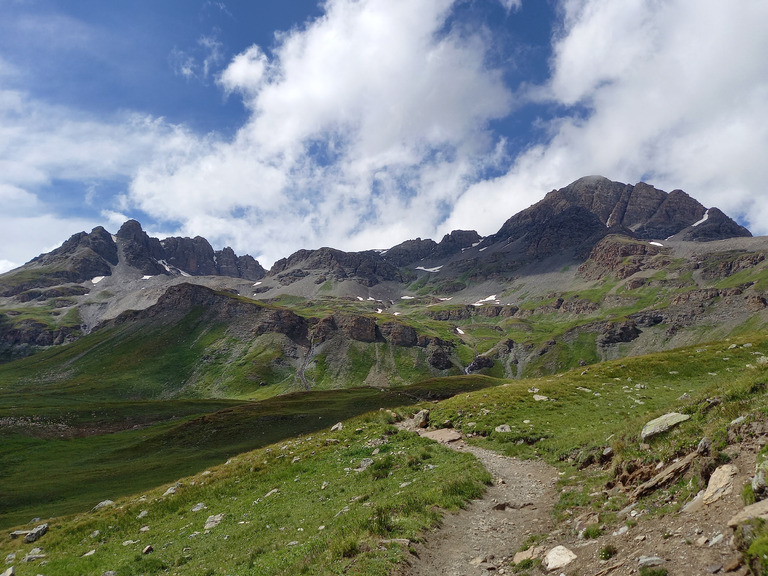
x,y
139,250
616,332
367,268
82,257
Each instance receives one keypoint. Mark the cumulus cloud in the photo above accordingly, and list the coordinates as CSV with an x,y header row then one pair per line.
x,y
671,92
363,123
42,146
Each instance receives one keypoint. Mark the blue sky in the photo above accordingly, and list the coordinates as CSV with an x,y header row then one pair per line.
x,y
271,126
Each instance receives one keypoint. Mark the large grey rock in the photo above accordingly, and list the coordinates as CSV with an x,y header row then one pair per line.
x,y
103,504
213,521
558,557
662,424
9,572
36,533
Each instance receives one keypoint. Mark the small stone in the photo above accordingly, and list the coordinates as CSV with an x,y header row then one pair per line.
x,y
148,549
142,514
170,491
199,506
9,572
649,561
503,428
704,446
337,427
144,529
540,398
621,531
364,464
10,558
89,553
716,540
702,541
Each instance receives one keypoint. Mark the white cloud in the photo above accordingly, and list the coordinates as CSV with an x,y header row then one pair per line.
x,y
676,92
362,123
511,5
42,144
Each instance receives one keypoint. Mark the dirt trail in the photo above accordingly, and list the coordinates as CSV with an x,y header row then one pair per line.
x,y
485,536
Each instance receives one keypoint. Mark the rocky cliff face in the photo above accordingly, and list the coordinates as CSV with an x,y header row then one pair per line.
x,y
368,268
643,210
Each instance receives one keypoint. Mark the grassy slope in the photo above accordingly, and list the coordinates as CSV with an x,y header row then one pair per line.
x,y
395,497
279,533
176,438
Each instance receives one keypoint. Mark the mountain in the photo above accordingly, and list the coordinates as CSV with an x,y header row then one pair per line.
x,y
595,270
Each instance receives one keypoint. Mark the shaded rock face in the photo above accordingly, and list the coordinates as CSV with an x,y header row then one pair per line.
x,y
193,255
82,257
640,210
409,252
139,250
399,334
619,256
368,268
616,332
360,328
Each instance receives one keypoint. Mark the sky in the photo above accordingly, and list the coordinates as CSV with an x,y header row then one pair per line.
x,y
271,126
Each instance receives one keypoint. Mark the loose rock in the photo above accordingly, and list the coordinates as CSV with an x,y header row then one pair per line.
x,y
421,419
662,424
213,521
558,557
720,483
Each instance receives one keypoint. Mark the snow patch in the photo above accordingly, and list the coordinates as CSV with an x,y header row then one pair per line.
x,y
656,244
435,269
704,219
483,249
460,331
146,277
164,264
407,297
371,299
445,299
97,279
398,313
361,299
379,310
484,300
257,284
476,243
186,274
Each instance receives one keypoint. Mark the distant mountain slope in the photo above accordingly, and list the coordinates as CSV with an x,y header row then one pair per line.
x,y
643,257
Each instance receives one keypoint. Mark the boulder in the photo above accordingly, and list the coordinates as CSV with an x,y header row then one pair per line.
x,y
557,558
213,521
36,533
720,483
503,428
756,510
103,504
662,424
421,419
